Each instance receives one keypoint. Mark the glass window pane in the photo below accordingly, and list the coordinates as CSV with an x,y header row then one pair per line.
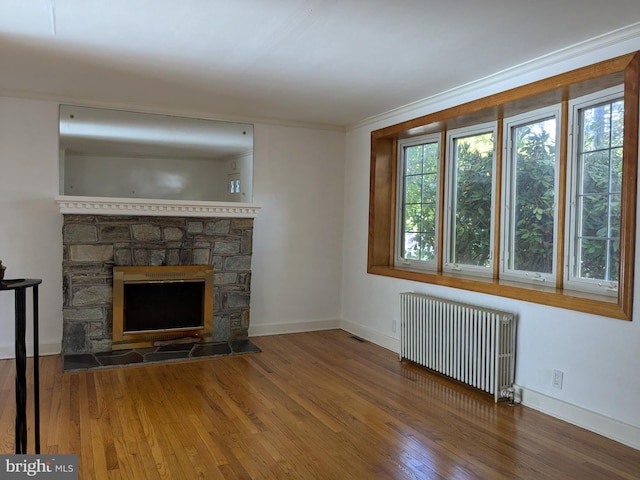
x,y
617,123
598,216
428,235
595,215
429,221
596,128
413,189
474,172
412,218
593,259
430,163
419,202
596,173
413,159
534,159
616,170
614,218
411,249
429,188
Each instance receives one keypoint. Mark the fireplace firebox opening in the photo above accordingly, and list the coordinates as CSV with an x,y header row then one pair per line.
x,y
161,303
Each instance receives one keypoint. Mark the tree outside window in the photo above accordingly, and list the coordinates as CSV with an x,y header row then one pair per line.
x,y
470,229
419,206
599,159
530,204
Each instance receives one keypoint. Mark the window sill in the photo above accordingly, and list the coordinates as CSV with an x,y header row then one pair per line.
x,y
540,294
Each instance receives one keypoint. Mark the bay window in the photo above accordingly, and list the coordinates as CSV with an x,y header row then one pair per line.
x,y
528,194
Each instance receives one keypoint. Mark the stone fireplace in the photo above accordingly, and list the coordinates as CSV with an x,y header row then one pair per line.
x,y
93,244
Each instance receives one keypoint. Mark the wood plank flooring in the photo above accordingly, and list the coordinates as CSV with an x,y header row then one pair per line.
x,y
318,405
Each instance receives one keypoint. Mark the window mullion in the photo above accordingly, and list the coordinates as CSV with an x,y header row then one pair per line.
x,y
497,198
441,206
561,239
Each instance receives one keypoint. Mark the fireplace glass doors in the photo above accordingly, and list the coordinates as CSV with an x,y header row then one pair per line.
x,y
155,304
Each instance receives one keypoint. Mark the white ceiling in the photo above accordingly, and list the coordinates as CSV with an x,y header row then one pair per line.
x,y
333,62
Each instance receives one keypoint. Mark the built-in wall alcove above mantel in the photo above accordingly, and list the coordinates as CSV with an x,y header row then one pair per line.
x,y
115,153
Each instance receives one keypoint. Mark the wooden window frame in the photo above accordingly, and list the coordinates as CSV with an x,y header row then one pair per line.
x,y
558,89
426,265
585,284
508,185
450,213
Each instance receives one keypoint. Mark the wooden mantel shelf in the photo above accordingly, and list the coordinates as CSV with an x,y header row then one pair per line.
x,y
155,207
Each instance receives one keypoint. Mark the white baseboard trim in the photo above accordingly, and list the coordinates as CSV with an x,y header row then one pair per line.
x,y
592,421
294,327
595,422
587,419
45,349
373,336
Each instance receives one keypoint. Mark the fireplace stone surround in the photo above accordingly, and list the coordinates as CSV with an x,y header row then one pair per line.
x,y
93,244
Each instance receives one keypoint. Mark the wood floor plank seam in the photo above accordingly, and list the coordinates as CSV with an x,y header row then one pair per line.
x,y
315,405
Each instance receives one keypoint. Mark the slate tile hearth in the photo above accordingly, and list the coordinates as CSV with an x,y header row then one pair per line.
x,y
86,361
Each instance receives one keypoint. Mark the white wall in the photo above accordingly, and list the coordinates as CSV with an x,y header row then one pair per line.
x,y
30,223
297,244
297,237
600,357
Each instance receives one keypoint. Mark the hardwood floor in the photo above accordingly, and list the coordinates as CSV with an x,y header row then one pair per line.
x,y
318,405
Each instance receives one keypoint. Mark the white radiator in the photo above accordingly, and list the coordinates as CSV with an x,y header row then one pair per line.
x,y
472,344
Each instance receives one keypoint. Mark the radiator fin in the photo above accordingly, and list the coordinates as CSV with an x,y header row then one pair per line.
x,y
469,343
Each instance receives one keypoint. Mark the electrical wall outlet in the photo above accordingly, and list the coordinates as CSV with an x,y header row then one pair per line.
x,y
394,326
556,380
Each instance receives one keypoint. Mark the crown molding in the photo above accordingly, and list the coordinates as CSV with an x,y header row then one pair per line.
x,y
144,108
532,70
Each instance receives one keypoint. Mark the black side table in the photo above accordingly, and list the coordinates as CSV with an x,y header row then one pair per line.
x,y
20,287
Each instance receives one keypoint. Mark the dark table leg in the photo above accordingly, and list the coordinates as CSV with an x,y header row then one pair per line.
x,y
36,369
21,369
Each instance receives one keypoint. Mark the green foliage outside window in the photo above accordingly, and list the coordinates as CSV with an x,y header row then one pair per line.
x,y
420,194
600,167
472,218
534,200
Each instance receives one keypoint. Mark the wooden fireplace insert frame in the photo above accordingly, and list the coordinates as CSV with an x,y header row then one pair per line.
x,y
151,274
